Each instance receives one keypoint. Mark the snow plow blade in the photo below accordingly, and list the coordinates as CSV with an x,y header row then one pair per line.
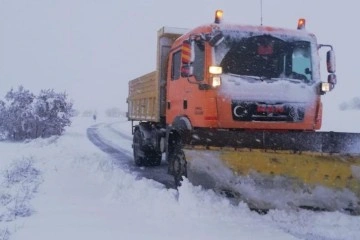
x,y
315,170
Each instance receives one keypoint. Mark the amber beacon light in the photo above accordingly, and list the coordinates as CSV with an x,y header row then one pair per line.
x,y
218,16
301,24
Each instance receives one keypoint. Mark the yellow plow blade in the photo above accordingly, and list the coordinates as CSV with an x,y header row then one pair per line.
x,y
332,171
279,179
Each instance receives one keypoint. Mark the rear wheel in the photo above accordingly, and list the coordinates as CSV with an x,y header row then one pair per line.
x,y
153,159
142,157
137,145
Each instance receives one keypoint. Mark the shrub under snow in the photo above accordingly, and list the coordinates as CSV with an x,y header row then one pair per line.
x,y
18,184
26,116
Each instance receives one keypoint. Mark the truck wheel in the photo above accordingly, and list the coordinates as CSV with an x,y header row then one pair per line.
x,y
137,144
179,166
142,157
153,159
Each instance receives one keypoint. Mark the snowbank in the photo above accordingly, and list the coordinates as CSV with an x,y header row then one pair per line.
x,y
79,192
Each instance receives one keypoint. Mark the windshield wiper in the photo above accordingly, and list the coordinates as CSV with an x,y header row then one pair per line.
x,y
266,78
294,80
247,77
262,78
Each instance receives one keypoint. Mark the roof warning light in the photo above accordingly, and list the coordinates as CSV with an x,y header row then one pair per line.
x,y
301,24
218,16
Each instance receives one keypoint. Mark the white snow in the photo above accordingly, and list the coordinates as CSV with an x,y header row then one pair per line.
x,y
279,91
76,191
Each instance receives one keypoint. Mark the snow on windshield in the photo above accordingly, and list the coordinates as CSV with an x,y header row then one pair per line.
x,y
265,56
271,64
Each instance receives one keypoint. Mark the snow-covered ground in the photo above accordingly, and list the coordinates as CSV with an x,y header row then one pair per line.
x,y
66,188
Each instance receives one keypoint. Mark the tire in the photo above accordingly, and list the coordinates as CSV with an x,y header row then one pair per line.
x,y
179,166
137,145
141,157
153,159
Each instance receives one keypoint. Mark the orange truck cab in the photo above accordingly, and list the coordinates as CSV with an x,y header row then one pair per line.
x,y
247,77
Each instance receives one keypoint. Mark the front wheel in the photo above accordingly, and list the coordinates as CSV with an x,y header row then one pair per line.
x,y
179,166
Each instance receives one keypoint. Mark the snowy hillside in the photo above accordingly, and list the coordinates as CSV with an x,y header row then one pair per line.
x,y
67,188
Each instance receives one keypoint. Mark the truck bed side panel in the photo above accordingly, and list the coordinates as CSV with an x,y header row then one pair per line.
x,y
147,94
143,98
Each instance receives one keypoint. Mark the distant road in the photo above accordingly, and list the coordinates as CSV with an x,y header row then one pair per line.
x,y
124,158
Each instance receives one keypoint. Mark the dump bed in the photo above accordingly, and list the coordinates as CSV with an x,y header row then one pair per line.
x,y
147,94
143,98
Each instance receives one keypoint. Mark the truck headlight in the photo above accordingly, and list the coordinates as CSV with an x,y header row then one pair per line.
x,y
215,70
325,87
216,81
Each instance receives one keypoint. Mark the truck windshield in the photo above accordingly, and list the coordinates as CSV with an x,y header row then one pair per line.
x,y
265,56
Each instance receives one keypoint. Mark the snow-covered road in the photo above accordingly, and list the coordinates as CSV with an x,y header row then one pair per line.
x,y
116,143
77,191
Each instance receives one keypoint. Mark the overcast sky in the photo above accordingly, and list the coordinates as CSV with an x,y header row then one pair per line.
x,y
91,48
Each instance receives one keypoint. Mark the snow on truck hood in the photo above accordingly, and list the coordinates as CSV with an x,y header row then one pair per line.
x,y
268,90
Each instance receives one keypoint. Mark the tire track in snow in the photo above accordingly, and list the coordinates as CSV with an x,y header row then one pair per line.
x,y
125,136
93,136
124,158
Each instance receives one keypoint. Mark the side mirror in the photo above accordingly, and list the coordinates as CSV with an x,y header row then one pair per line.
x,y
332,80
187,52
329,85
216,39
187,71
330,61
187,58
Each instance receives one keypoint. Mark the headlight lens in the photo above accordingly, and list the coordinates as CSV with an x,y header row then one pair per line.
x,y
216,81
325,87
215,70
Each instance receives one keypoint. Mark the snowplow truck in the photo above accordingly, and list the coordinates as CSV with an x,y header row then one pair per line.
x,y
238,109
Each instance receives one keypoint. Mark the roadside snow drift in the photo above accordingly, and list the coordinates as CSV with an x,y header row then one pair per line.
x,y
66,188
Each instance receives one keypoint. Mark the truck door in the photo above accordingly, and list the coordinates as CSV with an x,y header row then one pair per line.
x,y
194,98
175,86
